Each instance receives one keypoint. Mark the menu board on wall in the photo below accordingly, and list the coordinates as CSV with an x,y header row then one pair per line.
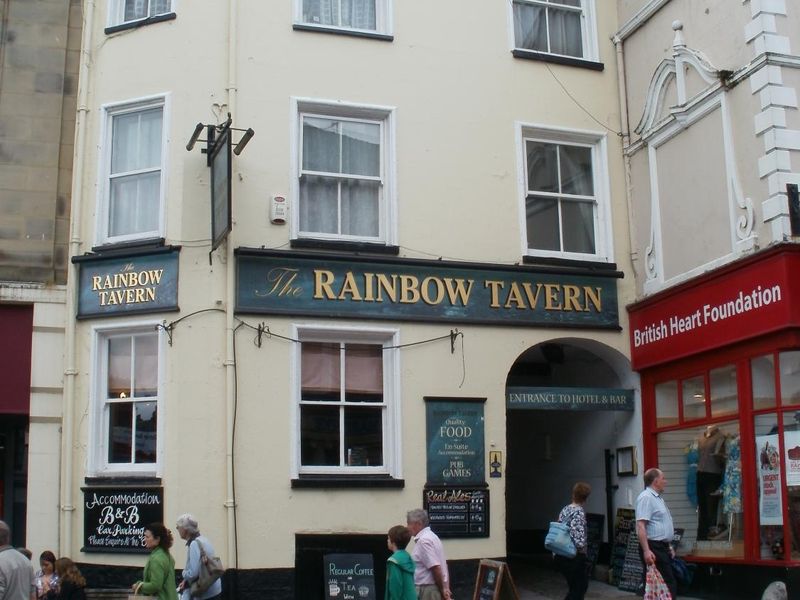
x,y
594,537
624,524
462,512
349,577
454,428
114,518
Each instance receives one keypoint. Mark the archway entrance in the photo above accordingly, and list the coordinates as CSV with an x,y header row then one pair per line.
x,y
569,406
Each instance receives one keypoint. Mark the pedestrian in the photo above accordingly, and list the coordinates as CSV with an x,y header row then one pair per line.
x,y
159,571
655,529
71,584
16,571
430,575
573,516
46,576
399,566
26,553
190,532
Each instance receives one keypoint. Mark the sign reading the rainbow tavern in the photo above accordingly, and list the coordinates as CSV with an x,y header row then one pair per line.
x,y
112,286
289,283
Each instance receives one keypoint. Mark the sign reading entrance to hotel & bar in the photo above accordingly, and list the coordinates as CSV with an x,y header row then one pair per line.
x,y
110,286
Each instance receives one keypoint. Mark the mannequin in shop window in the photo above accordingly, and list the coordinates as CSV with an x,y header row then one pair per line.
x,y
711,464
732,484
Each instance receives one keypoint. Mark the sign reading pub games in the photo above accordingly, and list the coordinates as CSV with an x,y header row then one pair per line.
x,y
114,518
291,283
139,283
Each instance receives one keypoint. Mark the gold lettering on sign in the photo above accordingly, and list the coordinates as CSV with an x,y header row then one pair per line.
x,y
128,286
281,280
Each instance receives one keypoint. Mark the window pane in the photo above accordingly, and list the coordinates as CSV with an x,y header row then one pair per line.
x,y
320,371
363,436
363,373
768,479
542,223
319,435
542,167
159,7
119,367
360,208
724,395
530,27
146,422
361,148
135,9
120,417
762,372
136,141
576,170
134,204
578,226
666,403
565,32
694,399
791,445
319,204
321,145
358,14
790,377
145,376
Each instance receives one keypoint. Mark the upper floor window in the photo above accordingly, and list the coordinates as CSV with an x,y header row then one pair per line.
x,y
344,184
133,158
127,401
129,11
558,27
566,196
353,15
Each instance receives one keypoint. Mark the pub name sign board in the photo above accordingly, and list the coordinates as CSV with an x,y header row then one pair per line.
x,y
143,283
290,283
114,518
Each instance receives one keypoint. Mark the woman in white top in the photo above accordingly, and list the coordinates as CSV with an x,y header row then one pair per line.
x,y
189,531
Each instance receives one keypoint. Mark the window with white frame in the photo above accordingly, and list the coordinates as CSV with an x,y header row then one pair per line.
x,y
559,27
346,402
133,160
358,15
127,11
344,192
128,395
566,197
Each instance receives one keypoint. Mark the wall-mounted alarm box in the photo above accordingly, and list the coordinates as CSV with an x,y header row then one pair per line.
x,y
278,210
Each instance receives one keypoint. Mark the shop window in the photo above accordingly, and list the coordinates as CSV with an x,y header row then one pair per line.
x,y
667,404
791,452
126,420
693,392
555,27
345,15
724,396
790,377
704,494
346,403
762,372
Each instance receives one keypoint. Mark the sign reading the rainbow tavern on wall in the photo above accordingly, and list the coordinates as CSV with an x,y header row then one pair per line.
x,y
290,283
112,286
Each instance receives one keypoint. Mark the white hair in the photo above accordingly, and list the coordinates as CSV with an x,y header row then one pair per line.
x,y
189,523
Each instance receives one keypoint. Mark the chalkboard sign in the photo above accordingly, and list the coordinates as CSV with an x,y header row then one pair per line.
x,y
594,537
461,512
494,582
114,518
632,578
349,577
624,523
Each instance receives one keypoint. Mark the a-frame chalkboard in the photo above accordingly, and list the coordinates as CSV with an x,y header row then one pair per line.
x,y
494,582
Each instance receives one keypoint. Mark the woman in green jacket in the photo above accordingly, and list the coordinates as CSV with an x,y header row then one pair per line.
x,y
159,572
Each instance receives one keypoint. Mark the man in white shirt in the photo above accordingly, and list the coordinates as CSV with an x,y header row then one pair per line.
x,y
655,529
16,571
431,575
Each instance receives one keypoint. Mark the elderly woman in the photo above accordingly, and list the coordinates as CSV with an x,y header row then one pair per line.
x,y
189,531
573,515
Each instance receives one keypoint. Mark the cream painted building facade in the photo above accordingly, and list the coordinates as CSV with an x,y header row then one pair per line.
x,y
711,101
430,215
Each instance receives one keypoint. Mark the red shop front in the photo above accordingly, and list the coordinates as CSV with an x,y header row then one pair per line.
x,y
719,359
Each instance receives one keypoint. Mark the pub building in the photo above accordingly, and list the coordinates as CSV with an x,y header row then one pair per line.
x,y
719,358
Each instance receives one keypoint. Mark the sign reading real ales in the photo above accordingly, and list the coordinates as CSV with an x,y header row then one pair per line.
x,y
292,283
114,518
111,286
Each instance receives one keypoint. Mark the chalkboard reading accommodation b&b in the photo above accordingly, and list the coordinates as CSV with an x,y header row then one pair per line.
x,y
114,518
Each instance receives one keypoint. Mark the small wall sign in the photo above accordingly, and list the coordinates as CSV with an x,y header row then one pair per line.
x,y
114,518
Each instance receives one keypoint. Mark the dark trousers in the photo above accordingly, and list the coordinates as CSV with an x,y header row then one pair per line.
x,y
574,570
706,503
663,564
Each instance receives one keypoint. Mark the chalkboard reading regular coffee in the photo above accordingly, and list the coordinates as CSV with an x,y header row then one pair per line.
x,y
349,577
114,518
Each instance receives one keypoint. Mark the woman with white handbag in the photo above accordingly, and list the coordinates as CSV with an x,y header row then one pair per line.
x,y
198,548
573,516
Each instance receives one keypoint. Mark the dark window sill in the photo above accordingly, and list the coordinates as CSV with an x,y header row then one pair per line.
x,y
347,482
123,480
567,265
348,32
559,60
365,247
140,23
138,248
